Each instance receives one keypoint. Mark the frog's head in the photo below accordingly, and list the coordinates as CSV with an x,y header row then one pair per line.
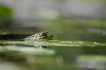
x,y
46,35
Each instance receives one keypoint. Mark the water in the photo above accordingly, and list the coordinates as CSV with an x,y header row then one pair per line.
x,y
66,57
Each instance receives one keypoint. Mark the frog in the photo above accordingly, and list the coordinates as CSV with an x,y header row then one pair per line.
x,y
42,36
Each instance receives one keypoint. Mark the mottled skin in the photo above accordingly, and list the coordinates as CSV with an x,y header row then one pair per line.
x,y
42,36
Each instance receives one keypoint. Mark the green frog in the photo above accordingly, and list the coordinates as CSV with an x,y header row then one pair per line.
x,y
42,36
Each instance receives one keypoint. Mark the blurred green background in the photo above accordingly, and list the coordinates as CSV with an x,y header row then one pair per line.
x,y
70,21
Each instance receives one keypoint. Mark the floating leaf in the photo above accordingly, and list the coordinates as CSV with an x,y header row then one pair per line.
x,y
56,43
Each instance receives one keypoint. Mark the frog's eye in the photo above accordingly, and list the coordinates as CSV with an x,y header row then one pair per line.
x,y
44,34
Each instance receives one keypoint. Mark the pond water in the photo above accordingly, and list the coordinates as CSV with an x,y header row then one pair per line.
x,y
66,57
